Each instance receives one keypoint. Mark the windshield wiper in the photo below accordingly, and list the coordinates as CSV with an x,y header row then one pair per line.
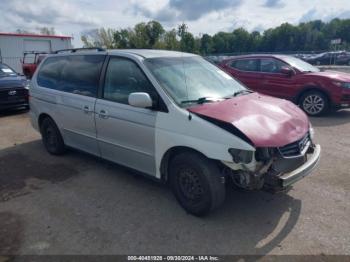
x,y
200,100
240,92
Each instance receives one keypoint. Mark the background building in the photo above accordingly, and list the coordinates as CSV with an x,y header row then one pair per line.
x,y
12,46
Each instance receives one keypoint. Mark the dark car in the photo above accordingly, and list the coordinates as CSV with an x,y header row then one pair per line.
x,y
343,59
327,58
13,89
291,78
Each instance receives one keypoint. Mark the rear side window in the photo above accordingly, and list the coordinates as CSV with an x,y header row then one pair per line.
x,y
245,64
50,73
78,74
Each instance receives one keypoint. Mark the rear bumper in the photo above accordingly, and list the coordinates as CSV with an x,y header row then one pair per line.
x,y
290,178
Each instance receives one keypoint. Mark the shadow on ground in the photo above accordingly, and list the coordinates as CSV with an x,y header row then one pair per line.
x,y
248,222
332,119
10,233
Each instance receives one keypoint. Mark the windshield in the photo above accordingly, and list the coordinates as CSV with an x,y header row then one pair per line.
x,y
300,64
187,79
6,71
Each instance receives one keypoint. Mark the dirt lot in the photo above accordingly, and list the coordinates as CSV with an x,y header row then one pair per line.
x,y
77,204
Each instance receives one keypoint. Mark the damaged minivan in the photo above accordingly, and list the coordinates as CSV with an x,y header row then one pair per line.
x,y
174,117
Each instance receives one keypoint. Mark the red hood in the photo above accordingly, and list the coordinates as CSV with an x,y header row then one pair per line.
x,y
266,121
335,75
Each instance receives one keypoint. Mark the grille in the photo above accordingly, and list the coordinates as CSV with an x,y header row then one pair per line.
x,y
20,93
296,148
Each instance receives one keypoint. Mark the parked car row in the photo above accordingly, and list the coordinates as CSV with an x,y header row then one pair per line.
x,y
327,58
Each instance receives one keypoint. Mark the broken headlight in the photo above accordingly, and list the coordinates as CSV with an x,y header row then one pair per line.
x,y
241,156
311,132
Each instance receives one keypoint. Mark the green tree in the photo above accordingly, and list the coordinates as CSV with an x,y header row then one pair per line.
x,y
310,36
187,42
221,42
170,40
99,38
154,31
206,44
122,38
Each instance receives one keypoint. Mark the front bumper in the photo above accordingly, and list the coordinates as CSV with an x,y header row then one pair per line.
x,y
290,178
17,104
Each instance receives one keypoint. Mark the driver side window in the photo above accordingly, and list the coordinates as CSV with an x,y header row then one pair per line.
x,y
124,77
270,65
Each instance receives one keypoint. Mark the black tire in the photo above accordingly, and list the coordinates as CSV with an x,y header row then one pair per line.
x,y
197,183
314,103
51,137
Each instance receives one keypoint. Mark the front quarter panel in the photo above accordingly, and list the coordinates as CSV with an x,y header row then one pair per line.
x,y
177,129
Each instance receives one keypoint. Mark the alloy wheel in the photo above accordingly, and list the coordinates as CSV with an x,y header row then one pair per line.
x,y
313,104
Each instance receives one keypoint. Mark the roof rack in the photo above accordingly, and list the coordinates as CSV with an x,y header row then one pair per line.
x,y
35,52
74,50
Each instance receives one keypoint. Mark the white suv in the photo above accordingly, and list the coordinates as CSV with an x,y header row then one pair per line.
x,y
173,116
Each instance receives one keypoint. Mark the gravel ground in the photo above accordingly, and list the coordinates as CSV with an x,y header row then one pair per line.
x,y
78,204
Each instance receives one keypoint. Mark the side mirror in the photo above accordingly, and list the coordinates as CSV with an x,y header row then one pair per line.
x,y
140,99
287,71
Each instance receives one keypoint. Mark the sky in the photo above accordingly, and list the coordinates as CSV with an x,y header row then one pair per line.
x,y
72,17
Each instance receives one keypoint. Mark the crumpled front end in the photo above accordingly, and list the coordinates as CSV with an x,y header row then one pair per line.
x,y
275,169
278,130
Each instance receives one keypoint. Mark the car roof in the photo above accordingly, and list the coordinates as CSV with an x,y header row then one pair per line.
x,y
144,53
150,53
258,56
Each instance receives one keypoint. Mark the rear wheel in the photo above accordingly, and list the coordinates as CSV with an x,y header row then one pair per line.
x,y
51,137
196,183
314,103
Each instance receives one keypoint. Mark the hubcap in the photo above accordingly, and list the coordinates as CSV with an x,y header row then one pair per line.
x,y
313,104
189,184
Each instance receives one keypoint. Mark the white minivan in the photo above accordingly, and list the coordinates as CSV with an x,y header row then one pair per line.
x,y
174,117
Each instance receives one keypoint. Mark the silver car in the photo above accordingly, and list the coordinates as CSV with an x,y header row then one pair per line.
x,y
172,116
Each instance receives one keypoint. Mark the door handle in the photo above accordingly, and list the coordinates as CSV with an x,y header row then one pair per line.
x,y
86,109
103,114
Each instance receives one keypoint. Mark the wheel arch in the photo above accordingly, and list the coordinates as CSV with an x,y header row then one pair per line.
x,y
41,117
169,154
307,89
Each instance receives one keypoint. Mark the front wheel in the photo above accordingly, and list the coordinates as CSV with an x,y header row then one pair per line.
x,y
314,103
197,183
